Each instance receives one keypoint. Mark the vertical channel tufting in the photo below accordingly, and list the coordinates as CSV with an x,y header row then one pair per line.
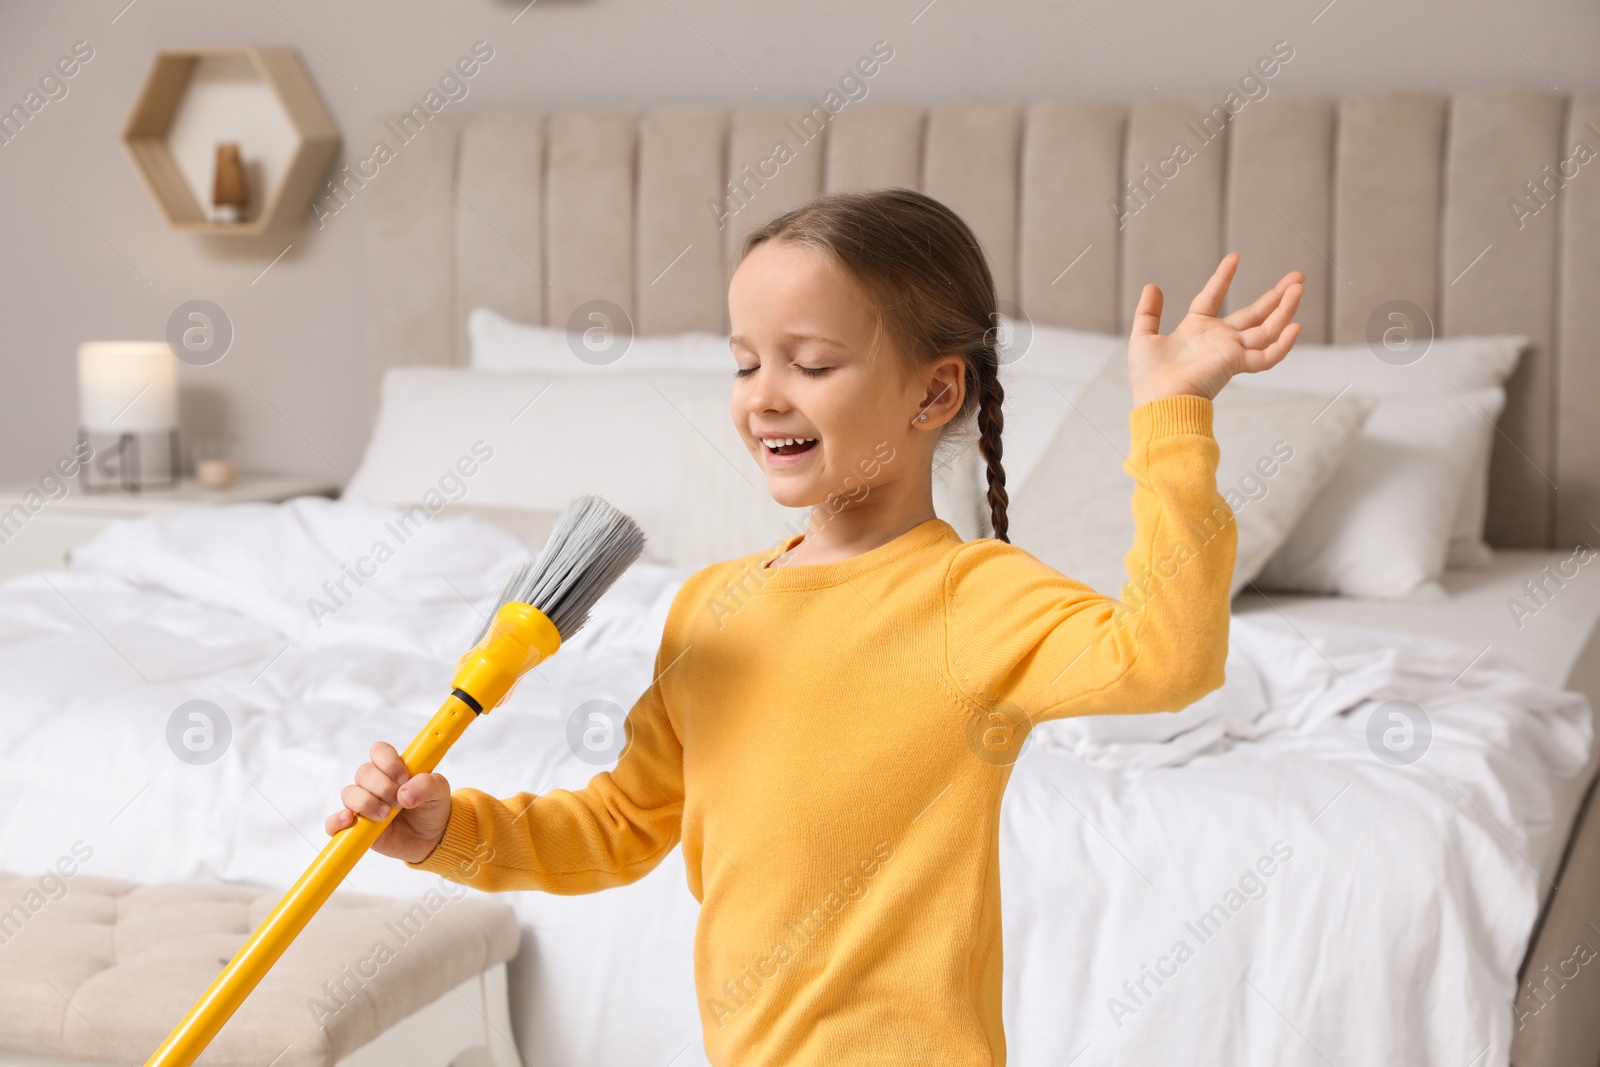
x,y
774,163
1498,276
410,245
681,275
1577,346
1173,169
1386,206
1068,247
1280,203
500,224
875,146
589,202
972,163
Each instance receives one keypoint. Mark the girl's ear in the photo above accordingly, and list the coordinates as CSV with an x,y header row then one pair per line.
x,y
946,389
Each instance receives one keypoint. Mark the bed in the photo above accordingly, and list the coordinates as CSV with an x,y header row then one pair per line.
x,y
1402,912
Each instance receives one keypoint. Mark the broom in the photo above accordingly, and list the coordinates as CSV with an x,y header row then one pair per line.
x,y
541,605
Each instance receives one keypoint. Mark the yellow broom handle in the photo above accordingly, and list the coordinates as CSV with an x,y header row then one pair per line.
x,y
256,957
518,639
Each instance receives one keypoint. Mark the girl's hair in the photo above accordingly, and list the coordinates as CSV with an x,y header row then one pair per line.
x,y
930,287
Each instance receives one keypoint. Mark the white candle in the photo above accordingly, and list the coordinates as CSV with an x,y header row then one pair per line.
x,y
127,387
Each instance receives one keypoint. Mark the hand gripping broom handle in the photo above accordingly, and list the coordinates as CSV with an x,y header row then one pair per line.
x,y
519,638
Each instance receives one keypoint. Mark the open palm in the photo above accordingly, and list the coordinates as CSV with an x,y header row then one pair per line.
x,y
1204,351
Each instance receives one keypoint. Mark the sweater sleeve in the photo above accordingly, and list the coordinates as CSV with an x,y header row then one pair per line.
x,y
1027,643
613,831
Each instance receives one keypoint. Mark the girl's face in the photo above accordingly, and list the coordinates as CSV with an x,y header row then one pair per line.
x,y
827,413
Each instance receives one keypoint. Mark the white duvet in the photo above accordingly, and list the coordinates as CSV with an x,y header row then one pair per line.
x,y
1245,882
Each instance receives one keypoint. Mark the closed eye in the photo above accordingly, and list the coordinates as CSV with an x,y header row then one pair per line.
x,y
745,372
813,372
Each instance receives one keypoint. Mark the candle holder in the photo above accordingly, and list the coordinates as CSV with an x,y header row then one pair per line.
x,y
128,415
119,462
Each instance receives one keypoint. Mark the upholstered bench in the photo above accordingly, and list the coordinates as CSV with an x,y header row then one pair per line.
x,y
94,970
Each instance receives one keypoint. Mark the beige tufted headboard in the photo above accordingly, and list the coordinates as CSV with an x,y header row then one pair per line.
x,y
1376,197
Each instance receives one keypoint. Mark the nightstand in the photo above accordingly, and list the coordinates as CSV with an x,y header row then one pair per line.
x,y
39,540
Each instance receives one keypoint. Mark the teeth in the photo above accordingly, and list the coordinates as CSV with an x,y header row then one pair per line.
x,y
781,442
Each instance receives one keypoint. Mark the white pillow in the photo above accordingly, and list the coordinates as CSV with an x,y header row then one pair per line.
x,y
548,438
660,445
1381,528
499,343
1277,450
1450,364
1043,370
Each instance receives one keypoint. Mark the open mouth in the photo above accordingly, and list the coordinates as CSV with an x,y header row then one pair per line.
x,y
788,446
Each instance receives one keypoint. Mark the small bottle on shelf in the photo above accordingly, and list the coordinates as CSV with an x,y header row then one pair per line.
x,y
230,197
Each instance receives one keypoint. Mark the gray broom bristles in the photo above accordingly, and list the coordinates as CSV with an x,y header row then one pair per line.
x,y
589,548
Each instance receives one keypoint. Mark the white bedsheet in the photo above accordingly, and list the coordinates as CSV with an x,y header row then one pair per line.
x,y
1397,909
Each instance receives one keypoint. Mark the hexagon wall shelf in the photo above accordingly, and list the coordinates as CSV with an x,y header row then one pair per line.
x,y
260,97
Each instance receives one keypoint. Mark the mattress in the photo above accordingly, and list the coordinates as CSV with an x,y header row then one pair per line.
x,y
1547,628
1544,637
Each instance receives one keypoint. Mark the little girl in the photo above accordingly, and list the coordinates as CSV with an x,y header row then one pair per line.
x,y
833,721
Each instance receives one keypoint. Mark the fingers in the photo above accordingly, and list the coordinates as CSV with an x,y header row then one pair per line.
x,y
387,760
375,790
364,802
1259,337
1147,316
424,789
1272,355
1209,301
1253,314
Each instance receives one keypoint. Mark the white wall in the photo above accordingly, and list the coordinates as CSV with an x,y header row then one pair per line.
x,y
85,255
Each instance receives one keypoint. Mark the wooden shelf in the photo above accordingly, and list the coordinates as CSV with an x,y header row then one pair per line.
x,y
159,109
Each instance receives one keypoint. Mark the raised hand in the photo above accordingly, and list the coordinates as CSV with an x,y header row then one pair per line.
x,y
1204,351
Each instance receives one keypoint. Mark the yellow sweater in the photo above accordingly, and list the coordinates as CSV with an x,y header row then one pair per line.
x,y
830,743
